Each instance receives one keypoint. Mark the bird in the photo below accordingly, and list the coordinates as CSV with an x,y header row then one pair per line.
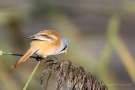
x,y
43,44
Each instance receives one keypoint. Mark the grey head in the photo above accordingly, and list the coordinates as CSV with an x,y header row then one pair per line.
x,y
64,44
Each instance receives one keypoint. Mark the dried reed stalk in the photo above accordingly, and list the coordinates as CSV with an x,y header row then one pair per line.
x,y
77,77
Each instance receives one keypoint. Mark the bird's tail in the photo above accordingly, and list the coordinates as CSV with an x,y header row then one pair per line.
x,y
24,57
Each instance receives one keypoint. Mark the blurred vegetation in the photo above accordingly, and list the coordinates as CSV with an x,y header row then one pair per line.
x,y
98,44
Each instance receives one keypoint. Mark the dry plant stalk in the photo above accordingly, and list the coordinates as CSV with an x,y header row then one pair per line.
x,y
60,74
78,77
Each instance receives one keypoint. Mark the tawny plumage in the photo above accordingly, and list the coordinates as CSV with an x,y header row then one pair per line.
x,y
44,43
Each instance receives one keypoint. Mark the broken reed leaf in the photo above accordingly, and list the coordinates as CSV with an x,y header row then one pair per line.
x,y
78,77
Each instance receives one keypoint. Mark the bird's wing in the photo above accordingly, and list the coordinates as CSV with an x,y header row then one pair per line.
x,y
42,37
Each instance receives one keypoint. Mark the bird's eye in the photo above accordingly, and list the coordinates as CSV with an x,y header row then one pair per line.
x,y
64,48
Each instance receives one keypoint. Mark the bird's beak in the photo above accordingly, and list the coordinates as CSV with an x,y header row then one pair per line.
x,y
65,51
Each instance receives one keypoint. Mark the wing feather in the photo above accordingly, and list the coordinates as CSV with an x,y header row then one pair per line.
x,y
42,37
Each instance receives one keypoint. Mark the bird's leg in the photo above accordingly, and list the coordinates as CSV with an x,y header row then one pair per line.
x,y
39,58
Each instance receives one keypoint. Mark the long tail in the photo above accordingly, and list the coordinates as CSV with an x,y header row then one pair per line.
x,y
24,57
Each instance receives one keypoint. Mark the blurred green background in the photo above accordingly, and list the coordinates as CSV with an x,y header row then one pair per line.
x,y
101,36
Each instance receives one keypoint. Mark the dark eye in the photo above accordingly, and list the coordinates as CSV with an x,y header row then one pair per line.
x,y
64,48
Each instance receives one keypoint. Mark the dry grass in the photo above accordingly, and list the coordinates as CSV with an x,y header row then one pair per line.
x,y
77,77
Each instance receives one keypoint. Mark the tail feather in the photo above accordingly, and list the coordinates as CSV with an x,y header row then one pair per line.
x,y
24,57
